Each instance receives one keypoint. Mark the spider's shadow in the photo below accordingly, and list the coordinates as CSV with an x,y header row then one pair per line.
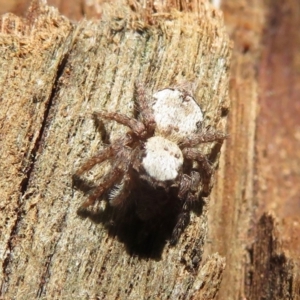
x,y
146,239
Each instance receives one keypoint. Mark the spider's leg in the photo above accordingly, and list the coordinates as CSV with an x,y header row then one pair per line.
x,y
103,155
118,195
143,106
96,159
195,154
203,137
107,181
188,194
182,222
184,186
137,127
130,158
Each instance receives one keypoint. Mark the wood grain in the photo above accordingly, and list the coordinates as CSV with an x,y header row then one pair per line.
x,y
56,74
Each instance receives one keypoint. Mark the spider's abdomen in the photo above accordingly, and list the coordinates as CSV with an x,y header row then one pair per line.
x,y
163,159
176,114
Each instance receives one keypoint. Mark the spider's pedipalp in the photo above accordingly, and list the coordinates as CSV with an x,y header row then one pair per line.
x,y
195,154
137,127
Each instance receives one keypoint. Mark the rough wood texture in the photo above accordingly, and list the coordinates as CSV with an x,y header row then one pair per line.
x,y
259,172
53,76
259,168
269,272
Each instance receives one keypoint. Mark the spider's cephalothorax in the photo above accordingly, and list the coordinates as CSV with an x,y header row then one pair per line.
x,y
157,152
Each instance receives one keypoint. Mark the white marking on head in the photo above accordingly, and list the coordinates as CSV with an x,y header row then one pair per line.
x,y
163,159
175,115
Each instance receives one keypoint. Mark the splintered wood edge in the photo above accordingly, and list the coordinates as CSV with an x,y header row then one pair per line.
x,y
46,200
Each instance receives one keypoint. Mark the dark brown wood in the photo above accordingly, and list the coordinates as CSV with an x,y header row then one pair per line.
x,y
270,271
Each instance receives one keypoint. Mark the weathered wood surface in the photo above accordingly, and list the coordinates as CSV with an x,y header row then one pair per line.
x,y
53,75
254,214
259,168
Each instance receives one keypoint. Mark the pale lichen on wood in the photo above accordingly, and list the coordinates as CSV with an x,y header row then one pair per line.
x,y
47,251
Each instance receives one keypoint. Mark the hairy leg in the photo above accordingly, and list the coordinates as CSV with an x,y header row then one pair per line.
x,y
107,181
103,155
96,159
137,127
144,107
188,195
195,154
203,137
182,222
184,186
118,195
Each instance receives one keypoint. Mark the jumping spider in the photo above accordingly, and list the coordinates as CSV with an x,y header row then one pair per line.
x,y
158,152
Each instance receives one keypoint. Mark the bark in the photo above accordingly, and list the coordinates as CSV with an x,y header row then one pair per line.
x,y
54,74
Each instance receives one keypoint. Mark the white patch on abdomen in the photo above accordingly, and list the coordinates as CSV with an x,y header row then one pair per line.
x,y
176,115
163,159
